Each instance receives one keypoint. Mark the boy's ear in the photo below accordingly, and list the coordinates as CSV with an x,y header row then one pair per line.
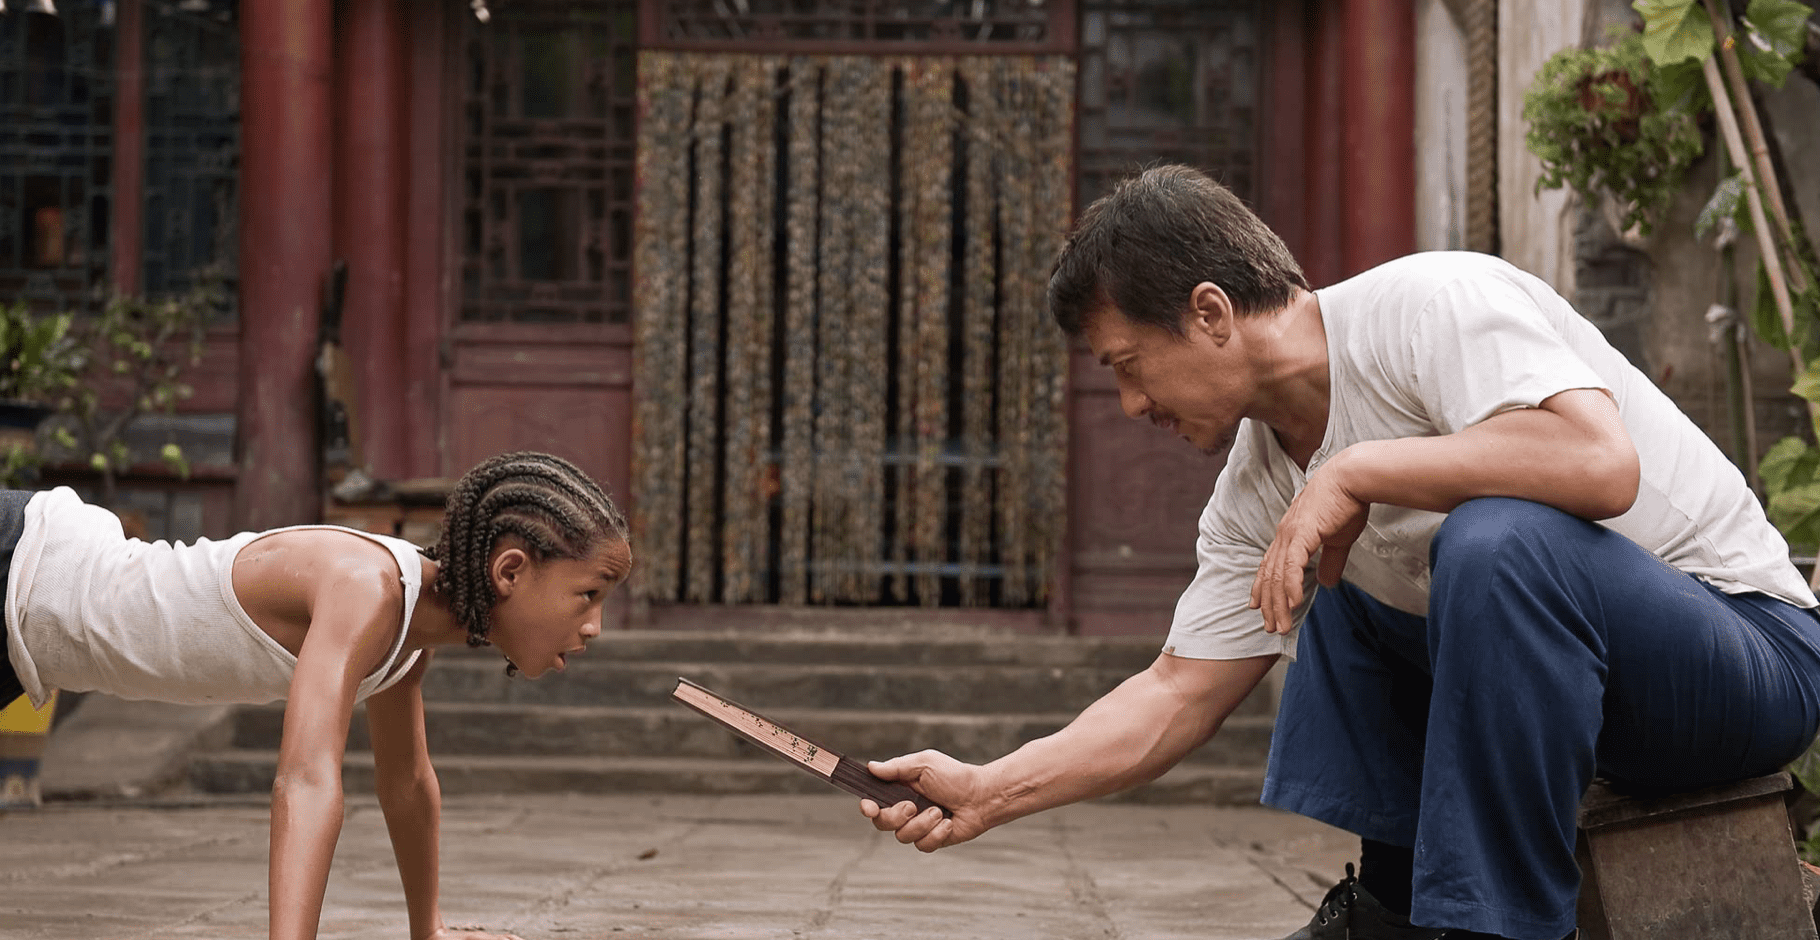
x,y
506,568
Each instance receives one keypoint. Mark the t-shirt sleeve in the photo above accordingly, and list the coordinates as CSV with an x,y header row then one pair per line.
x,y
1213,617
1481,346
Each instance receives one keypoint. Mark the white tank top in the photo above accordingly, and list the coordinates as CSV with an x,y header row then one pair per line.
x,y
89,609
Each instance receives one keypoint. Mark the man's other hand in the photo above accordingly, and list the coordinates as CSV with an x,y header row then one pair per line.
x,y
1326,518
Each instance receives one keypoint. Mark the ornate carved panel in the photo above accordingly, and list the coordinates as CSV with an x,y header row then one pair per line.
x,y
547,126
192,146
1169,81
56,155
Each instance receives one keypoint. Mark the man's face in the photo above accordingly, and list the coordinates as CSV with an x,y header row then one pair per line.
x,y
1194,386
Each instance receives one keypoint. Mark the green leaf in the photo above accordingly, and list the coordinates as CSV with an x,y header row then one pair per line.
x,y
1807,311
1771,38
173,457
1760,66
1675,30
1779,24
1806,768
1767,320
1796,511
1723,205
1782,464
1764,317
1793,507
1808,385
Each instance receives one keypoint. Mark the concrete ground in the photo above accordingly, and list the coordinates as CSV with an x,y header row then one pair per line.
x,y
577,867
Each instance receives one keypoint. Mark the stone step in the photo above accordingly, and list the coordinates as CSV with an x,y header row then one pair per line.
x,y
239,771
768,687
456,728
906,646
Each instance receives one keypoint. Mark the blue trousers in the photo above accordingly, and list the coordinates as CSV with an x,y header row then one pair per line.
x,y
1554,649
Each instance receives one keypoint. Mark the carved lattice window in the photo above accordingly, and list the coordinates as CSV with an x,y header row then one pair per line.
x,y
1169,81
548,127
192,147
56,156
57,150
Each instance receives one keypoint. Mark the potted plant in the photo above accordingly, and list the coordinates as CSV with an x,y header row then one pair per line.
x,y
42,363
1614,127
131,359
74,384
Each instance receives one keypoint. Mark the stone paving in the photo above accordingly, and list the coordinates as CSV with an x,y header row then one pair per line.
x,y
579,867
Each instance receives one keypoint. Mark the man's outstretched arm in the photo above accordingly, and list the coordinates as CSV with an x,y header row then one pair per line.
x,y
1131,735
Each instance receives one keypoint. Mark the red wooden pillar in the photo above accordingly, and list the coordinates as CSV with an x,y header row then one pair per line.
x,y
1378,132
285,174
425,235
1322,241
128,209
372,134
1282,197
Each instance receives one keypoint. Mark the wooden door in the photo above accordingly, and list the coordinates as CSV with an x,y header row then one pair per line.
x,y
536,345
537,348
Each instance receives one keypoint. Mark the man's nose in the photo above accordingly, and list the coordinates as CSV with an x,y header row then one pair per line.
x,y
1135,403
591,628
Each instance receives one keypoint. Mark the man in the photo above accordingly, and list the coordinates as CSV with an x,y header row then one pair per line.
x,y
1532,568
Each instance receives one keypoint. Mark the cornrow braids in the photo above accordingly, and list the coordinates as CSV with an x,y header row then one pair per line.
x,y
559,512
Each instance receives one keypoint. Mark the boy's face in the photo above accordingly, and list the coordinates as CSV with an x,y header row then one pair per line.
x,y
547,610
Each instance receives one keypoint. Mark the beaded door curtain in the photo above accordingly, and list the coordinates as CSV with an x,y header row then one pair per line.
x,y
848,389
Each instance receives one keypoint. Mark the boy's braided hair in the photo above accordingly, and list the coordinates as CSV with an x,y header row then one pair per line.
x,y
559,512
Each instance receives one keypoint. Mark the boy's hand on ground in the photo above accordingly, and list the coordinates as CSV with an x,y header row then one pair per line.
x,y
469,933
943,780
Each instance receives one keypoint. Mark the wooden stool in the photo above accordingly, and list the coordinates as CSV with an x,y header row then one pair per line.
x,y
1712,864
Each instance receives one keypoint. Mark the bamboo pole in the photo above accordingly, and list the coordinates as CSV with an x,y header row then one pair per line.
x,y
1740,399
1766,242
1747,389
1758,168
1753,135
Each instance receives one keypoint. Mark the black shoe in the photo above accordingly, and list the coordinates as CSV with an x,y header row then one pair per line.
x,y
1349,912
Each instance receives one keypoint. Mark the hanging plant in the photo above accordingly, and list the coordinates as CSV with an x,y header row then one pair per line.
x,y
1606,122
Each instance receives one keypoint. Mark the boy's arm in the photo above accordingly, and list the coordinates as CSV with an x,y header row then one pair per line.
x,y
409,794
352,623
411,799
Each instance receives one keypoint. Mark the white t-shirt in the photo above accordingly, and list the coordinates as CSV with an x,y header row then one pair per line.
x,y
1430,344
